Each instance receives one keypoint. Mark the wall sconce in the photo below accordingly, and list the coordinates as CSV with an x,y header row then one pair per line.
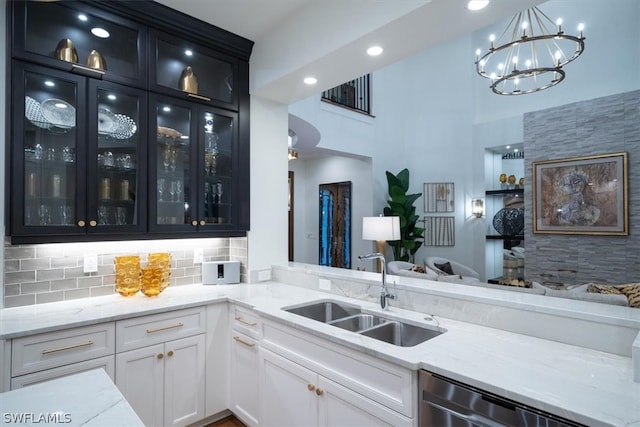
x,y
477,207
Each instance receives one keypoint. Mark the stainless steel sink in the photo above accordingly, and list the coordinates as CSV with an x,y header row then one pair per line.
x,y
401,334
351,318
358,322
325,311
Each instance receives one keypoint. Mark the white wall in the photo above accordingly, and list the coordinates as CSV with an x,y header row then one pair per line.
x,y
267,240
309,174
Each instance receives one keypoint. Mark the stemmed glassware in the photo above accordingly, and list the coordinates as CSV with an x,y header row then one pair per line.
x,y
161,183
179,189
172,190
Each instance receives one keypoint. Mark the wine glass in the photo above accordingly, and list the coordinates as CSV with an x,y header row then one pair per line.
x,y
179,189
172,190
173,159
161,183
166,158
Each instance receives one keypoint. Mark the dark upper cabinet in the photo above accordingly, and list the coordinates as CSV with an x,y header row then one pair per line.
x,y
79,38
75,158
148,138
188,70
193,167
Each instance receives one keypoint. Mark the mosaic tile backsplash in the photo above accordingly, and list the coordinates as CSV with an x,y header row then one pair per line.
x,y
37,274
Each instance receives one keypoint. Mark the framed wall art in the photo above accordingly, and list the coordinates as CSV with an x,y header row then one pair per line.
x,y
582,195
439,197
439,231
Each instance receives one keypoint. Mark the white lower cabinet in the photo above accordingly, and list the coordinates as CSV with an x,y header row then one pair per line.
x,y
293,395
164,382
244,393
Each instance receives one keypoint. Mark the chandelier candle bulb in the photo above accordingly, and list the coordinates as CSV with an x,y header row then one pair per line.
x,y
559,22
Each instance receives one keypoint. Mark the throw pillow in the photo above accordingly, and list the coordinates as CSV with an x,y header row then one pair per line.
x,y
446,267
629,290
418,269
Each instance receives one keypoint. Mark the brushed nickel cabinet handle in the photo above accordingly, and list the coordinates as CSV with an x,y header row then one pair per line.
x,y
241,320
69,347
203,98
241,341
179,325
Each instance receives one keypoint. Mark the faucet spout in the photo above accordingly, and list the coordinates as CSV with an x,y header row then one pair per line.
x,y
385,295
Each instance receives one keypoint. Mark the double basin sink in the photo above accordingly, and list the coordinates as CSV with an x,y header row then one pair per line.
x,y
352,318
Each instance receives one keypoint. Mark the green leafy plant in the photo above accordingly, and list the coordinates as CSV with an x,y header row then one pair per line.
x,y
401,204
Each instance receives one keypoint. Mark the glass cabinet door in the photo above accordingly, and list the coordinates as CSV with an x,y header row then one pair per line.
x,y
173,174
216,133
76,37
116,163
194,71
48,134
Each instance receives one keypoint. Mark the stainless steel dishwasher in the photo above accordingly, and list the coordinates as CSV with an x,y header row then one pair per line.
x,y
447,403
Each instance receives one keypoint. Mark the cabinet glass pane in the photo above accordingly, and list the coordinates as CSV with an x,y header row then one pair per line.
x,y
207,76
173,186
50,27
49,151
217,134
118,158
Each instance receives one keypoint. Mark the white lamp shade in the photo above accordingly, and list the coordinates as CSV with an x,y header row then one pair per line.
x,y
381,228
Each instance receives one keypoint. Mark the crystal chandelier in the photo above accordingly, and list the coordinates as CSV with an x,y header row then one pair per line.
x,y
532,58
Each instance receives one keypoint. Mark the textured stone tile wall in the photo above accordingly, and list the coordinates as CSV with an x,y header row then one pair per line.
x,y
599,126
37,274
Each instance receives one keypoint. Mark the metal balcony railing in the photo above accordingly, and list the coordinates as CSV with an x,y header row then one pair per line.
x,y
354,94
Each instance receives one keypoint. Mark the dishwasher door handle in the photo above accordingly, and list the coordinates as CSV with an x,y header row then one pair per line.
x,y
476,419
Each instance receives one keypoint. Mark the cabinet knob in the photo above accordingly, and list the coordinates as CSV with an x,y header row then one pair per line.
x,y
160,356
81,223
203,222
93,223
170,353
194,223
319,391
311,387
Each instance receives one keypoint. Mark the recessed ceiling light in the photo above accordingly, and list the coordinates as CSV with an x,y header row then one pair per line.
x,y
477,4
49,83
112,97
374,50
166,109
188,52
83,17
100,32
310,80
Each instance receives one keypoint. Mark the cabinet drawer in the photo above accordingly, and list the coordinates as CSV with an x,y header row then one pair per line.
x,y
50,350
245,321
107,363
158,328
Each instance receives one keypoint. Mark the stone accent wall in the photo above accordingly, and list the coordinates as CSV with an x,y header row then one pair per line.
x,y
36,274
599,126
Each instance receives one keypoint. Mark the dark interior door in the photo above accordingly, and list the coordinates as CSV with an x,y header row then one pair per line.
x,y
335,225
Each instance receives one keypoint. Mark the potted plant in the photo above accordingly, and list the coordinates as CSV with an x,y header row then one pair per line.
x,y
401,204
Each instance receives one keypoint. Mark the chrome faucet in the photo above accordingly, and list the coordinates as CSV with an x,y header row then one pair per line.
x,y
384,294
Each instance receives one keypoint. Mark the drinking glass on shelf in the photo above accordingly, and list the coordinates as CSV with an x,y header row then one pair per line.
x,y
161,183
173,159
166,158
179,189
103,215
172,190
121,216
44,213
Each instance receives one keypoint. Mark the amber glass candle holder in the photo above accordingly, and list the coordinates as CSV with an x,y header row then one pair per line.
x,y
151,280
163,261
127,274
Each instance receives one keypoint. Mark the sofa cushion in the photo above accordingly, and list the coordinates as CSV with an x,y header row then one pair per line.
x,y
427,275
446,267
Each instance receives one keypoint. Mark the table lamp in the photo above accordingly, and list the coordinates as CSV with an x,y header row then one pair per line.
x,y
381,229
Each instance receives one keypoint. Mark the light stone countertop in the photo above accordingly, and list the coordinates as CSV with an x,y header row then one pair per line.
x,y
87,399
588,386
